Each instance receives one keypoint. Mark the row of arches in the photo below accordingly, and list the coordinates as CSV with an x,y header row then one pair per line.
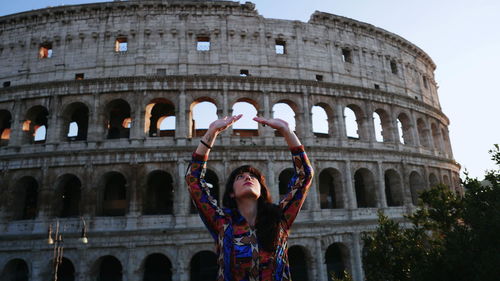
x,y
160,115
158,267
157,192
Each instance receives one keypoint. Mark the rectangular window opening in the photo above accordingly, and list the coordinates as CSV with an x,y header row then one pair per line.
x,y
394,67
203,44
244,73
425,82
6,84
45,51
79,76
377,86
121,44
280,47
319,78
161,71
346,55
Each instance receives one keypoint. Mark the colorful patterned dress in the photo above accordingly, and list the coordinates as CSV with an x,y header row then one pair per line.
x,y
239,256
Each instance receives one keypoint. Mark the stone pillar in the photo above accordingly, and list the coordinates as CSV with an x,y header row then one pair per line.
x,y
306,126
351,193
369,124
357,266
381,198
132,187
181,198
414,130
54,122
268,132
181,121
407,200
137,115
16,130
45,195
320,262
226,111
96,124
339,116
271,179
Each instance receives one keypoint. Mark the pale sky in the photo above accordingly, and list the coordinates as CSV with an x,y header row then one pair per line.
x,y
462,37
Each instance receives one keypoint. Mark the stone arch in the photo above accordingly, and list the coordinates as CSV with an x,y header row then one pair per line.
x,y
68,196
114,195
213,182
298,259
75,121
159,197
404,129
364,186
355,129
286,110
337,260
417,185
331,195
157,267
436,137
284,179
35,125
66,270
245,127
383,130
433,180
393,188
203,266
25,203
118,119
107,268
423,132
16,270
202,112
5,123
157,112
322,120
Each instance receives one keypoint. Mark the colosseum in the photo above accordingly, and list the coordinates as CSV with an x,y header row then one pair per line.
x,y
100,112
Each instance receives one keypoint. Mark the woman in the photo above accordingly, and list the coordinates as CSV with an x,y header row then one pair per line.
x,y
251,233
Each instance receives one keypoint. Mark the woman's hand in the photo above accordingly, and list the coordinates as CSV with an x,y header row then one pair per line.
x,y
220,125
276,123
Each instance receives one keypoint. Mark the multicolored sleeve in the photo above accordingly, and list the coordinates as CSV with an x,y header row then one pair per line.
x,y
199,190
298,186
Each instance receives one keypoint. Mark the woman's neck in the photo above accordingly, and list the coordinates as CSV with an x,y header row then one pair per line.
x,y
248,209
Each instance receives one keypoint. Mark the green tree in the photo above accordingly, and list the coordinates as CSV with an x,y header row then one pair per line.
x,y
449,236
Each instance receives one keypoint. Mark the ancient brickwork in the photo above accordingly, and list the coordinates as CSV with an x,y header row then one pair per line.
x,y
86,88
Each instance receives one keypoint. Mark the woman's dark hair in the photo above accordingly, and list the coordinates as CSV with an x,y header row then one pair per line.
x,y
268,214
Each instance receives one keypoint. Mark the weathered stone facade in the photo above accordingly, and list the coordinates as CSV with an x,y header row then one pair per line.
x,y
106,66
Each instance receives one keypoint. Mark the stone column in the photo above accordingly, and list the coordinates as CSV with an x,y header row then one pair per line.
x,y
268,133
414,130
307,130
53,122
16,130
382,200
181,198
357,267
226,111
181,121
351,193
137,115
407,200
271,179
339,115
320,261
96,124
369,124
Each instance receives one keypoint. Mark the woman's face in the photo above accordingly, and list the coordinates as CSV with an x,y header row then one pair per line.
x,y
246,185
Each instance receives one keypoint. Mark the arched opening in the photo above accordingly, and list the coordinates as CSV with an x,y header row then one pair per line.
x,y
118,119
393,188
298,263
404,129
382,124
435,137
25,194
69,196
433,180
365,188
203,266
66,271
423,133
115,195
5,122
109,269
284,180
35,125
15,270
203,113
351,125
76,120
160,118
159,197
284,111
245,127
330,189
336,258
320,120
417,185
213,183
446,181
157,268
